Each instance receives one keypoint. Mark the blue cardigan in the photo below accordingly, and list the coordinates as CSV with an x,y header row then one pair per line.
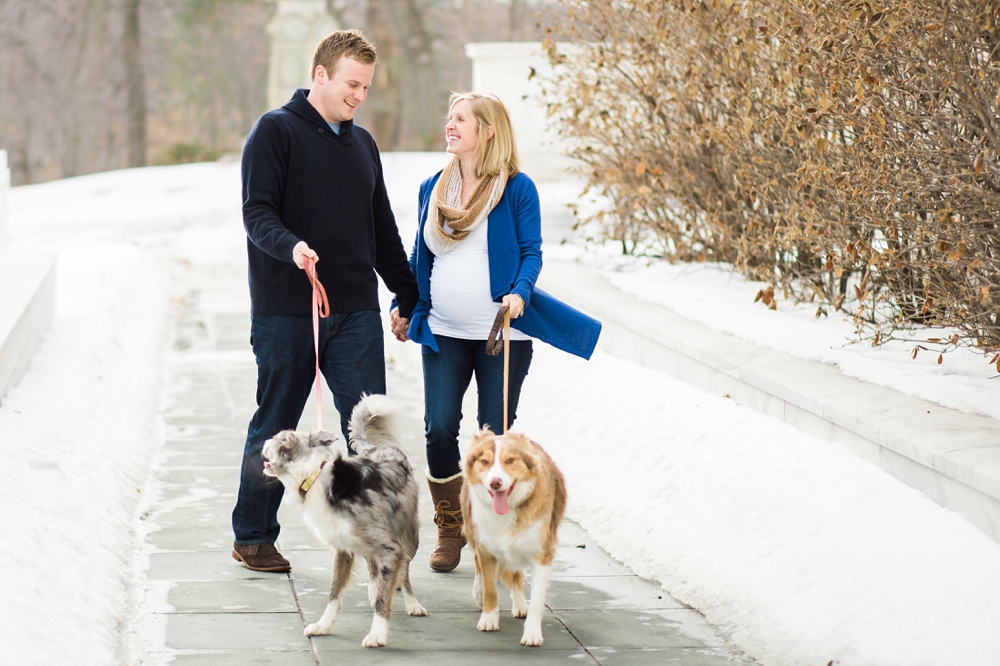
x,y
514,246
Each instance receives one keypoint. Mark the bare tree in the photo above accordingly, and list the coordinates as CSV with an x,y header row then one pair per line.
x,y
135,85
88,85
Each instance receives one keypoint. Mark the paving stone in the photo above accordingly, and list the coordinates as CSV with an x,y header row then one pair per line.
x,y
446,657
236,631
680,657
201,565
441,631
272,658
215,538
630,628
254,595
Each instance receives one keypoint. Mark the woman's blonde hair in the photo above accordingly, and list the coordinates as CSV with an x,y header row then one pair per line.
x,y
498,153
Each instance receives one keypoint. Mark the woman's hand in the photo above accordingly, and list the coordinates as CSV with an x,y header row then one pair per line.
x,y
515,305
399,325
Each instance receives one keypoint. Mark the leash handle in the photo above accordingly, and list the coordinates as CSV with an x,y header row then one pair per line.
x,y
494,347
320,308
506,365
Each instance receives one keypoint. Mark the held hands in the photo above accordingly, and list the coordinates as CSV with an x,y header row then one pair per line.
x,y
515,305
301,250
399,325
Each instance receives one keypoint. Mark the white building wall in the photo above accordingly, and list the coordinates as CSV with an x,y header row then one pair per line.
x,y
503,68
296,28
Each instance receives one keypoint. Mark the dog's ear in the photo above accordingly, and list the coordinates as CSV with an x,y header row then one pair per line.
x,y
322,438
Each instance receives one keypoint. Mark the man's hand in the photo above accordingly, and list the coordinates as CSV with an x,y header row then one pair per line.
x,y
399,325
301,250
515,305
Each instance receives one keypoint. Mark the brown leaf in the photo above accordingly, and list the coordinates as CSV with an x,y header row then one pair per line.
x,y
914,354
940,359
640,169
977,166
931,27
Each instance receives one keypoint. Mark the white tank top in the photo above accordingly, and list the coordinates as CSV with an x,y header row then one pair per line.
x,y
461,306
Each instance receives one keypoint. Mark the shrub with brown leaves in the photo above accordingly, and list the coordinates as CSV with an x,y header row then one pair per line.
x,y
845,153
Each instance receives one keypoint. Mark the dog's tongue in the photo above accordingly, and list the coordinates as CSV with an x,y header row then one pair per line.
x,y
500,504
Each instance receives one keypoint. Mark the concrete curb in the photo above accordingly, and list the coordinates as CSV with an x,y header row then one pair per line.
x,y
27,305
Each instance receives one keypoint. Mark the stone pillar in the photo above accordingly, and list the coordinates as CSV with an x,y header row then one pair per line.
x,y
4,189
503,68
296,28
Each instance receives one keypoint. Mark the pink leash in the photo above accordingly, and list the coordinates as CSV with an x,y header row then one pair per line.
x,y
320,308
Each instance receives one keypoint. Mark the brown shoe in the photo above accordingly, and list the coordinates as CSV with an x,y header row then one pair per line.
x,y
448,518
261,557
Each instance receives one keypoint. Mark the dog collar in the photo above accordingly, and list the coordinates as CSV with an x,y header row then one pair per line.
x,y
311,479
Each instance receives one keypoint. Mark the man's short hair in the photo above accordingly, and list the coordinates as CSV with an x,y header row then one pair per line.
x,y
342,44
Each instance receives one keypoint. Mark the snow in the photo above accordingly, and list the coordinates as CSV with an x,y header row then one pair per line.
x,y
798,550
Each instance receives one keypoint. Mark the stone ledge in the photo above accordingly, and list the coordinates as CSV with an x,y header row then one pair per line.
x,y
952,457
27,305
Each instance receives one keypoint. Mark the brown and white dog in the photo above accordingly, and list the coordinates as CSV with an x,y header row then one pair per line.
x,y
513,500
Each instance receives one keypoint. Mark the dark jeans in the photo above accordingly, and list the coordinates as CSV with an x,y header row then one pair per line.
x,y
352,360
447,375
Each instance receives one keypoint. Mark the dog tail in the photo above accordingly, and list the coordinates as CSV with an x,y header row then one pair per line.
x,y
372,425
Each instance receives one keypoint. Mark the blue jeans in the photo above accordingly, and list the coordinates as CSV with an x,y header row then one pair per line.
x,y
352,360
447,375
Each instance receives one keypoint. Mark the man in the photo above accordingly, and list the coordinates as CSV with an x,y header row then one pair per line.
x,y
313,187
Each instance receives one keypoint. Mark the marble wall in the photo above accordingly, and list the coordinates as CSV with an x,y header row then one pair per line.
x,y
516,73
296,28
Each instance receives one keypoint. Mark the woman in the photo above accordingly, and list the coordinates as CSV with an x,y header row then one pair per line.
x,y
479,244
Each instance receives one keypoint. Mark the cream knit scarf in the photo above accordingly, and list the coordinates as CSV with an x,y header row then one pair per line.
x,y
446,207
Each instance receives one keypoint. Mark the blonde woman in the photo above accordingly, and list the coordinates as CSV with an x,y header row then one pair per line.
x,y
478,245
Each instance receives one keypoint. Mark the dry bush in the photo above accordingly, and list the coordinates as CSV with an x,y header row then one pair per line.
x,y
840,151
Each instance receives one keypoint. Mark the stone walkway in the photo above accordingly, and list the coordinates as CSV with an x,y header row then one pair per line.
x,y
203,608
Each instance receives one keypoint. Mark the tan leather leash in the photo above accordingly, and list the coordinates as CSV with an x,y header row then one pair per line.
x,y
320,308
493,348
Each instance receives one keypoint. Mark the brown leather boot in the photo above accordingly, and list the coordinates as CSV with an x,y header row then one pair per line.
x,y
448,518
263,557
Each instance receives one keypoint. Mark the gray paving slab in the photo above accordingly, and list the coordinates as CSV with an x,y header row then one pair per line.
x,y
271,658
236,631
204,608
254,595
441,630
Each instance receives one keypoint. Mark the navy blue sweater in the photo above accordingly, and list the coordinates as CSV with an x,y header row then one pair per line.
x,y
302,182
